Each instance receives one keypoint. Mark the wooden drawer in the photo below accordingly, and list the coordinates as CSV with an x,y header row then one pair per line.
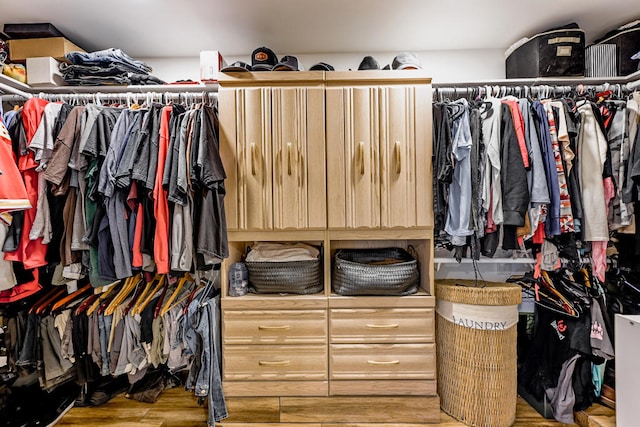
x,y
274,327
274,362
382,325
382,361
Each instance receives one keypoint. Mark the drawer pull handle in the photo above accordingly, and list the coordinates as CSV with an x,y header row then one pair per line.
x,y
274,362
389,326
267,327
378,362
253,158
361,157
398,157
288,158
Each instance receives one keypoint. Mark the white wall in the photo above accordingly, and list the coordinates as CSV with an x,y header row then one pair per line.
x,y
443,66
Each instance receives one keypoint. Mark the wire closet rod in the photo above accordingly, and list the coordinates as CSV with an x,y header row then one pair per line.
x,y
520,89
122,97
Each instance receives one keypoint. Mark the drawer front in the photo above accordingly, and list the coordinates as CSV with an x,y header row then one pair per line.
x,y
274,362
274,327
384,325
382,361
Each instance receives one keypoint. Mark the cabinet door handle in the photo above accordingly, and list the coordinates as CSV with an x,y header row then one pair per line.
x,y
289,158
253,158
398,157
267,327
274,362
361,157
379,362
389,326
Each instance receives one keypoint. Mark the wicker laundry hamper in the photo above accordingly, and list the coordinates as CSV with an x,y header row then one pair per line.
x,y
476,351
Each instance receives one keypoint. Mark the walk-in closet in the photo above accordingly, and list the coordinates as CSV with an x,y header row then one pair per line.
x,y
319,214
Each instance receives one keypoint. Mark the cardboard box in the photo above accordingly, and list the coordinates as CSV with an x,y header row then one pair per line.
x,y
211,62
44,71
56,47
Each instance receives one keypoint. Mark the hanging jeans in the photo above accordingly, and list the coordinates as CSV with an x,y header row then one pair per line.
x,y
204,318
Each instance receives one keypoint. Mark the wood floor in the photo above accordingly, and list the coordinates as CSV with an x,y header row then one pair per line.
x,y
177,408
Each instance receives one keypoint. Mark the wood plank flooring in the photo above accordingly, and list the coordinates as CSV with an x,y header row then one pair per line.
x,y
178,408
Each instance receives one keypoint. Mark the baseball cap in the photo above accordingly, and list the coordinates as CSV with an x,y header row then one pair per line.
x,y
287,63
321,66
237,66
369,63
263,59
406,60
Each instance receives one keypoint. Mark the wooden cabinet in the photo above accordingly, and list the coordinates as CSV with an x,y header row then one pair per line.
x,y
379,150
382,345
275,345
337,160
272,145
381,325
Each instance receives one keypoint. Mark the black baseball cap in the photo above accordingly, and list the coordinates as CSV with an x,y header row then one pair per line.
x,y
287,63
263,59
321,66
369,63
237,66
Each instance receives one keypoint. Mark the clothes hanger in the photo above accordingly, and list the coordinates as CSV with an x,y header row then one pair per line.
x,y
136,294
186,296
138,299
60,304
546,281
109,293
49,295
542,296
139,307
128,287
166,306
158,306
42,307
84,305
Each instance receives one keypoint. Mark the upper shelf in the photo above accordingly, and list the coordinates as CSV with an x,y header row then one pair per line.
x,y
11,86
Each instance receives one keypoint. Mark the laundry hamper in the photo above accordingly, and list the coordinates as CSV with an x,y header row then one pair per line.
x,y
476,332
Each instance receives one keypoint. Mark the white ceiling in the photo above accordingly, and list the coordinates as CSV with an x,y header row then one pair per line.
x,y
182,28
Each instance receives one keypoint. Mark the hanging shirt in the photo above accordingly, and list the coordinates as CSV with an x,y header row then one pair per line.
x,y
592,151
458,225
538,186
566,215
492,189
30,252
160,202
13,194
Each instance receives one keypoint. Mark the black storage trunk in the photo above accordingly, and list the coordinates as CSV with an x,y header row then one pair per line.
x,y
31,30
554,53
627,44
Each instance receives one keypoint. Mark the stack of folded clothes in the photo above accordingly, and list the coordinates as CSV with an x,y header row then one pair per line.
x,y
105,67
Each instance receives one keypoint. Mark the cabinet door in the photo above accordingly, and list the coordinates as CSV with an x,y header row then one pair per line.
x,y
405,156
299,200
353,184
245,146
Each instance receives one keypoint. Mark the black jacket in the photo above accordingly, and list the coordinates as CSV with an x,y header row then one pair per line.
x,y
515,190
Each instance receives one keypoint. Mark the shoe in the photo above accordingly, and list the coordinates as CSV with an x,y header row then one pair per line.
x,y
52,406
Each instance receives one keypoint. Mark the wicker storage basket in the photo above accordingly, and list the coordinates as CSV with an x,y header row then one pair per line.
x,y
385,271
477,367
292,277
